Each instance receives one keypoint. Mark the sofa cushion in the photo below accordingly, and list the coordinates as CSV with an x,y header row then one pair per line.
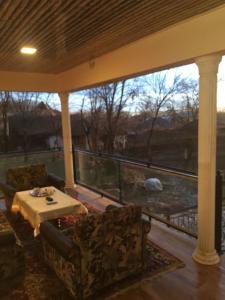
x,y
70,220
25,178
85,228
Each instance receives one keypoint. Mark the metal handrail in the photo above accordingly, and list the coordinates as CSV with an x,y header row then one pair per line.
x,y
135,163
141,163
22,153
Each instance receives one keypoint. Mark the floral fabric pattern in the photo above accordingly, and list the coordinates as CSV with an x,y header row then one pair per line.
x,y
66,270
25,178
11,252
112,246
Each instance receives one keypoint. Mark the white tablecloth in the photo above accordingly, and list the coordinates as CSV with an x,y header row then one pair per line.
x,y
36,209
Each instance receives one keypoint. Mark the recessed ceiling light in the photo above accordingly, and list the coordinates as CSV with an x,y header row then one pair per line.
x,y
28,50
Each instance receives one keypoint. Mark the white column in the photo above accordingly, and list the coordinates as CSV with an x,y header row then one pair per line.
x,y
205,252
67,140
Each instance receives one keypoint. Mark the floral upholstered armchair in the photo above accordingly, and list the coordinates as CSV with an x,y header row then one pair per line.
x,y
28,177
12,261
98,250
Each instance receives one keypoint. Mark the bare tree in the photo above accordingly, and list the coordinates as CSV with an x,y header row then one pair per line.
x,y
114,98
91,115
102,111
53,116
5,106
24,105
159,90
190,103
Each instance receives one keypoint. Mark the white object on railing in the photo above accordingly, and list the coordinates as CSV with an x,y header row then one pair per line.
x,y
153,185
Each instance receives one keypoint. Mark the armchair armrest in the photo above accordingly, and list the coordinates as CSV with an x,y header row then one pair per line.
x,y
56,181
7,237
146,225
63,244
7,190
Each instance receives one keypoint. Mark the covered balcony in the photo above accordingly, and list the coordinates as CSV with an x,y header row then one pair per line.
x,y
82,44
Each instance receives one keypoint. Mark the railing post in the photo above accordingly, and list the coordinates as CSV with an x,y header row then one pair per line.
x,y
218,211
119,181
74,163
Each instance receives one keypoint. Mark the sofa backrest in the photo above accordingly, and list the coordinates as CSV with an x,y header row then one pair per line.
x,y
27,177
112,221
111,244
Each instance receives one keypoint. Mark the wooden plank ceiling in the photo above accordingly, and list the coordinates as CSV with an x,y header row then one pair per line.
x,y
69,32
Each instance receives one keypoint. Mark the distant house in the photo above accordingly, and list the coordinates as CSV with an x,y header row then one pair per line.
x,y
35,130
54,142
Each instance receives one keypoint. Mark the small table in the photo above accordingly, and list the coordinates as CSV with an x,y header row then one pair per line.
x,y
36,209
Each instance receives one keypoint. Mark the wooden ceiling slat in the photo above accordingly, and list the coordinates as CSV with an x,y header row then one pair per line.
x,y
11,33
25,22
91,29
83,25
4,6
97,43
70,22
135,34
69,32
44,21
50,38
120,30
75,41
107,29
11,15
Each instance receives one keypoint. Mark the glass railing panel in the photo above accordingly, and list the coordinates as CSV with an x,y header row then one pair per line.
x,y
223,229
97,173
53,160
175,203
169,197
223,212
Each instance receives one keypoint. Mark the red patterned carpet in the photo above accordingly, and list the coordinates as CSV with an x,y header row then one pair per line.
x,y
40,282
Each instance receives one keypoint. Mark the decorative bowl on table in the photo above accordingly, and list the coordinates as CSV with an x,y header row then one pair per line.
x,y
42,192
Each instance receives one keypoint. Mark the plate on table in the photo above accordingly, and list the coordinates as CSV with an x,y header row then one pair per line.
x,y
35,194
41,192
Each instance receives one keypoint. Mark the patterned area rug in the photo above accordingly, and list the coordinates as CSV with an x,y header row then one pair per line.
x,y
40,282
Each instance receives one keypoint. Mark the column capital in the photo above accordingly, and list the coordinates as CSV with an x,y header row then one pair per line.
x,y
208,64
64,96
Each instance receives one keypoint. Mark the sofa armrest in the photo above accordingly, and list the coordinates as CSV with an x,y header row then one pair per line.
x,y
56,181
7,237
7,190
146,225
63,244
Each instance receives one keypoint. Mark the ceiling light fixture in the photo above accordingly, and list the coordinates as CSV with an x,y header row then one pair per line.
x,y
28,50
